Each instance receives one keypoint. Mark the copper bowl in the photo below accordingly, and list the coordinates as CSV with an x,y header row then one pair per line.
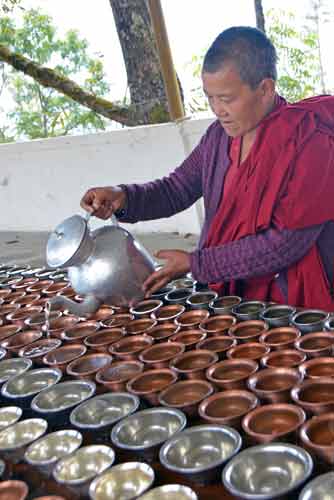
x,y
273,385
275,422
164,331
231,374
13,490
37,320
288,358
59,325
219,344
227,407
140,326
37,350
25,283
19,295
40,286
102,340
62,356
248,331
224,305
7,309
149,384
317,436
79,332
19,316
4,293
27,300
8,330
316,344
160,355
129,348
186,395
116,376
118,320
191,319
14,343
104,313
168,313
66,292
217,325
280,338
250,350
87,366
193,364
55,288
145,308
317,368
189,338
315,396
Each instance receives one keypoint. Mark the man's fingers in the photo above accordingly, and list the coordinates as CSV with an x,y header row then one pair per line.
x,y
157,286
154,277
164,254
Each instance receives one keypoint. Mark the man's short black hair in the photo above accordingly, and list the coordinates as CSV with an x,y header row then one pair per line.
x,y
249,49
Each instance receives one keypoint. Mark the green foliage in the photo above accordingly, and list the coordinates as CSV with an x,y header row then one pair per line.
x,y
44,112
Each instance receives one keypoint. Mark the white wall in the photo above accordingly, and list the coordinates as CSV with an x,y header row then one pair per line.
x,y
42,181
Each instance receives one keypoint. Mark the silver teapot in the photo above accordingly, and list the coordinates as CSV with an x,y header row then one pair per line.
x,y
107,265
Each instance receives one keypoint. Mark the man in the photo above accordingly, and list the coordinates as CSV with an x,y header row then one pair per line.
x,y
264,169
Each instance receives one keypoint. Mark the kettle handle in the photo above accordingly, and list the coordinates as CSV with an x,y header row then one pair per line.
x,y
113,218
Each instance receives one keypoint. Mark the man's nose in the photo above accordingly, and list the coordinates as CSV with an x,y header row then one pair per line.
x,y
218,108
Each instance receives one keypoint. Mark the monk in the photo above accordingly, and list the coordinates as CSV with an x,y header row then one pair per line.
x,y
265,169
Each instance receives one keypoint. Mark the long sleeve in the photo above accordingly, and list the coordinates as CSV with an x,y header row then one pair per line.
x,y
257,255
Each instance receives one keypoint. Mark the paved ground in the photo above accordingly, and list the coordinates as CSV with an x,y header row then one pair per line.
x,y
29,247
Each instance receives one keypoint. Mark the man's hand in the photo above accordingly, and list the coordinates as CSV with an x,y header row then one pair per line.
x,y
103,201
177,265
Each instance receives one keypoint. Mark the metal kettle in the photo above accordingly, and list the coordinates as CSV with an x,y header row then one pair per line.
x,y
107,265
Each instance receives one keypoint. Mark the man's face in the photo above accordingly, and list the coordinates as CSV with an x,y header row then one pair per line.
x,y
238,107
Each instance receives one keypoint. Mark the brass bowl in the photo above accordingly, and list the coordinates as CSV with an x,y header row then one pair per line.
x,y
189,338
287,358
149,384
87,366
164,331
59,325
63,355
168,313
29,383
170,491
80,331
274,422
140,326
129,348
126,480
9,415
219,344
317,436
317,368
192,364
13,490
248,331
227,407
186,395
316,344
251,350
118,320
315,396
39,349
12,367
145,308
248,310
231,374
15,439
217,325
191,319
160,355
8,330
116,376
273,385
224,305
14,343
102,340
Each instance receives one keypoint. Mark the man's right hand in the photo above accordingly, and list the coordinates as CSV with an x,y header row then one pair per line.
x,y
102,202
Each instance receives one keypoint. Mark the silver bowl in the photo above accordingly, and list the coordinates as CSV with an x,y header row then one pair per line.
x,y
278,315
248,310
104,410
146,430
30,383
14,439
14,366
46,451
170,492
310,320
267,471
127,481
9,415
199,451
320,488
83,465
63,396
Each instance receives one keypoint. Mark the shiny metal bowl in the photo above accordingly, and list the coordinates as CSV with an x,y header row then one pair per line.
x,y
267,471
170,492
30,383
46,451
127,481
104,410
9,415
320,488
83,465
63,396
197,450
15,438
11,367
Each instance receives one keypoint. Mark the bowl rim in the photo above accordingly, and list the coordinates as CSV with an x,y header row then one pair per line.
x,y
192,495
231,362
24,361
43,423
53,459
254,402
44,411
18,412
189,354
30,373
314,484
252,384
309,311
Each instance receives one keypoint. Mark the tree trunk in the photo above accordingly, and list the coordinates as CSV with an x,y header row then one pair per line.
x,y
259,15
145,81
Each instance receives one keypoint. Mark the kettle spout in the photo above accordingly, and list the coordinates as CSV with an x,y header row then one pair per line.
x,y
89,306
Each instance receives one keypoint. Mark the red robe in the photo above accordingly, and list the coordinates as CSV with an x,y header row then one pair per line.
x,y
286,181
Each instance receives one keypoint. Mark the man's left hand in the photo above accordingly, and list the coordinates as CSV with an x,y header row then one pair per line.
x,y
177,265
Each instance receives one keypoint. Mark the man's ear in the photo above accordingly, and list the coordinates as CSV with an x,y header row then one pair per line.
x,y
267,88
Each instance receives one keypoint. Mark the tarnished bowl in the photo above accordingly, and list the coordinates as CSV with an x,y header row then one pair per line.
x,y
274,422
46,451
160,355
63,355
128,480
248,331
9,415
280,338
178,296
192,364
227,407
145,308
317,368
163,332
104,410
14,343
248,310
273,470
168,313
169,492
189,338
14,439
191,319
39,349
201,300
316,344
12,367
116,376
140,326
317,436
145,431
273,385
250,350
199,451
129,348
13,490
315,396
83,465
231,374
224,305
217,325
186,395
288,358
278,315
150,383
311,320
320,488
87,366
23,387
102,340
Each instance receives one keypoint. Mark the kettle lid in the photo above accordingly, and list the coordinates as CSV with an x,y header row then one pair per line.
x,y
65,240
